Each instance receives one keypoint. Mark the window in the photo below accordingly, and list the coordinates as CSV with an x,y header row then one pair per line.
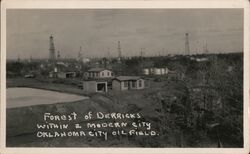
x,y
125,84
140,83
108,73
133,84
102,73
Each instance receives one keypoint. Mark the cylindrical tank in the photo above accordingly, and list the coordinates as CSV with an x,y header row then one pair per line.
x,y
162,71
157,71
151,70
166,70
146,71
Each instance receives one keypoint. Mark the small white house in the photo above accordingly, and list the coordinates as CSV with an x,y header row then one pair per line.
x,y
129,82
98,73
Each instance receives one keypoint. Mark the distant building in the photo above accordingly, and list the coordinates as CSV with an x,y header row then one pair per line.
x,y
201,59
65,75
96,73
85,60
146,71
155,71
129,82
53,74
174,75
52,55
30,75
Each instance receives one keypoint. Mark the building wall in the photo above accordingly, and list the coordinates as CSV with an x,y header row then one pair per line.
x,y
123,87
102,74
119,85
89,86
131,85
66,74
146,71
105,74
116,85
140,84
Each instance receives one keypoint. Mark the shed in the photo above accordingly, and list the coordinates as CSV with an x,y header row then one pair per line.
x,y
66,75
95,85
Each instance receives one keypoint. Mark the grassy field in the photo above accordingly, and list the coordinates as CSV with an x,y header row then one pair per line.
x,y
21,122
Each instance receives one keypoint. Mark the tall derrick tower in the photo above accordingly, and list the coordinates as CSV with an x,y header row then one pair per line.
x,y
119,50
80,58
187,49
52,54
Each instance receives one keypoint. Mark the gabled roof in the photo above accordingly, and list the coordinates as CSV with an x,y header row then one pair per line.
x,y
97,69
99,79
125,78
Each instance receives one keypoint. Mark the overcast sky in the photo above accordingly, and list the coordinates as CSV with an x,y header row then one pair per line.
x,y
156,30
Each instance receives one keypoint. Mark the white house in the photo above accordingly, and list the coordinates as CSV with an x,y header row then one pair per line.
x,y
95,73
129,82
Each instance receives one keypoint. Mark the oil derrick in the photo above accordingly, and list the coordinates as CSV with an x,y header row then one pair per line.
x,y
187,49
120,69
58,55
119,51
106,59
108,54
142,61
30,60
80,58
18,58
52,56
205,50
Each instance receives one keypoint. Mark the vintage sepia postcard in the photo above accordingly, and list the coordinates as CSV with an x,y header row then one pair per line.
x,y
124,77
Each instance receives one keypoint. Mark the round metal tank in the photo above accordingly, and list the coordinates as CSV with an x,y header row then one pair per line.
x,y
163,71
157,71
146,71
166,70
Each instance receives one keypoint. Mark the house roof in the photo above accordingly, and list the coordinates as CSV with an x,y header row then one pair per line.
x,y
124,78
99,79
97,69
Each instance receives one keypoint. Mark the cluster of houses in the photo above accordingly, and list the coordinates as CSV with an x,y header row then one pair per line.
x,y
102,80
